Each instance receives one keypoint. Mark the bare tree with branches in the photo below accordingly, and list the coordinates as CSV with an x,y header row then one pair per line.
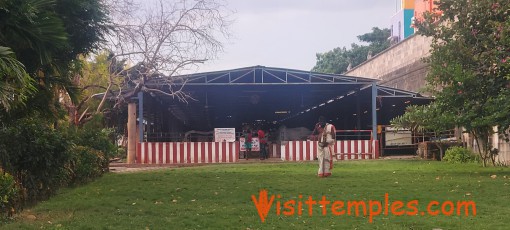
x,y
161,39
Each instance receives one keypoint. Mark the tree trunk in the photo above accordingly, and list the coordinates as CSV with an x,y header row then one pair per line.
x,y
441,149
480,153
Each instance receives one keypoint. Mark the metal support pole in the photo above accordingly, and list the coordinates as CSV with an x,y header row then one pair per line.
x,y
358,113
140,115
374,111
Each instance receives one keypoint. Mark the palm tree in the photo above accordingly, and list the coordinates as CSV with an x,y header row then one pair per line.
x,y
30,35
15,83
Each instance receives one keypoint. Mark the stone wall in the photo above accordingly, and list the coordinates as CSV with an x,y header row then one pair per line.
x,y
411,77
400,66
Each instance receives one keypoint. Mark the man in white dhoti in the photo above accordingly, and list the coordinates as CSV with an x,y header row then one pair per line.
x,y
326,140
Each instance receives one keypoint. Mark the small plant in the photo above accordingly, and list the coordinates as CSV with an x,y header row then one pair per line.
x,y
459,154
9,195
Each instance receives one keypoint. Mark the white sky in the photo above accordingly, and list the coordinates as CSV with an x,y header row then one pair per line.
x,y
289,33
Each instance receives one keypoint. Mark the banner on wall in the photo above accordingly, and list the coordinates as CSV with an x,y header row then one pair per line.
x,y
255,144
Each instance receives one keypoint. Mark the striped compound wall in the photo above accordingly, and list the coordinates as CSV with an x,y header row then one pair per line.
x,y
345,150
186,152
228,152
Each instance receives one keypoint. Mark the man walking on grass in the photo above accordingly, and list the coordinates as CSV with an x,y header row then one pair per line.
x,y
326,140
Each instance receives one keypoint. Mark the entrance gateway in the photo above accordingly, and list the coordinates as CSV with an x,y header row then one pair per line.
x,y
288,102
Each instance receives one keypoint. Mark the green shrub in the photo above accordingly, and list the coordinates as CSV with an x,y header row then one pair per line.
x,y
121,152
98,139
459,154
9,195
86,164
36,155
93,136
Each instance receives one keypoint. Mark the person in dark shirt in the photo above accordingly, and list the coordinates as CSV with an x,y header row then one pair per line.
x,y
263,144
247,143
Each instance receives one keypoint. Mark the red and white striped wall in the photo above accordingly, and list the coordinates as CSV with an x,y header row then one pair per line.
x,y
227,152
344,150
274,151
186,152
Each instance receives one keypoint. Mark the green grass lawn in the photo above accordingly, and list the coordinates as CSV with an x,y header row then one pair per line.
x,y
219,197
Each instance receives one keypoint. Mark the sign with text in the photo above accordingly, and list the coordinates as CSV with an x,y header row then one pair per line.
x,y
224,134
399,137
255,144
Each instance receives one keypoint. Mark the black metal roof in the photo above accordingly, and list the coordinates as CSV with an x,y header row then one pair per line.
x,y
229,98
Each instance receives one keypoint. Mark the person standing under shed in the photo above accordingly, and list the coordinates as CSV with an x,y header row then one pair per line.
x,y
248,143
263,143
326,140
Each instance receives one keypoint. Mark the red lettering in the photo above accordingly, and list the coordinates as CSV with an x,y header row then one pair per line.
x,y
412,205
466,205
356,204
290,206
373,212
395,206
449,212
310,202
429,208
262,205
337,205
324,203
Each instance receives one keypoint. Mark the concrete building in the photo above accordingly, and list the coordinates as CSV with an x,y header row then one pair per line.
x,y
401,21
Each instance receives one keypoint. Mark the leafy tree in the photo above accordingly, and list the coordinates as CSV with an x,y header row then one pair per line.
x,y
87,23
40,45
46,37
340,60
426,119
470,71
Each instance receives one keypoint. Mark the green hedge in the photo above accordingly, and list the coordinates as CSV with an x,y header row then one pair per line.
x,y
42,159
86,164
36,155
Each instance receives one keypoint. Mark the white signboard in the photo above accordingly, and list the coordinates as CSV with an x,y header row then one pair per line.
x,y
224,134
255,144
397,138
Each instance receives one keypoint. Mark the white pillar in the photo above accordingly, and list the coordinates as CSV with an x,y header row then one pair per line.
x,y
131,128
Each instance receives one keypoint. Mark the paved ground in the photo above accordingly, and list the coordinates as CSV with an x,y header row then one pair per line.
x,y
125,168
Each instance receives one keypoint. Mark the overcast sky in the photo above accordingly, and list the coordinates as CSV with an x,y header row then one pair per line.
x,y
289,33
